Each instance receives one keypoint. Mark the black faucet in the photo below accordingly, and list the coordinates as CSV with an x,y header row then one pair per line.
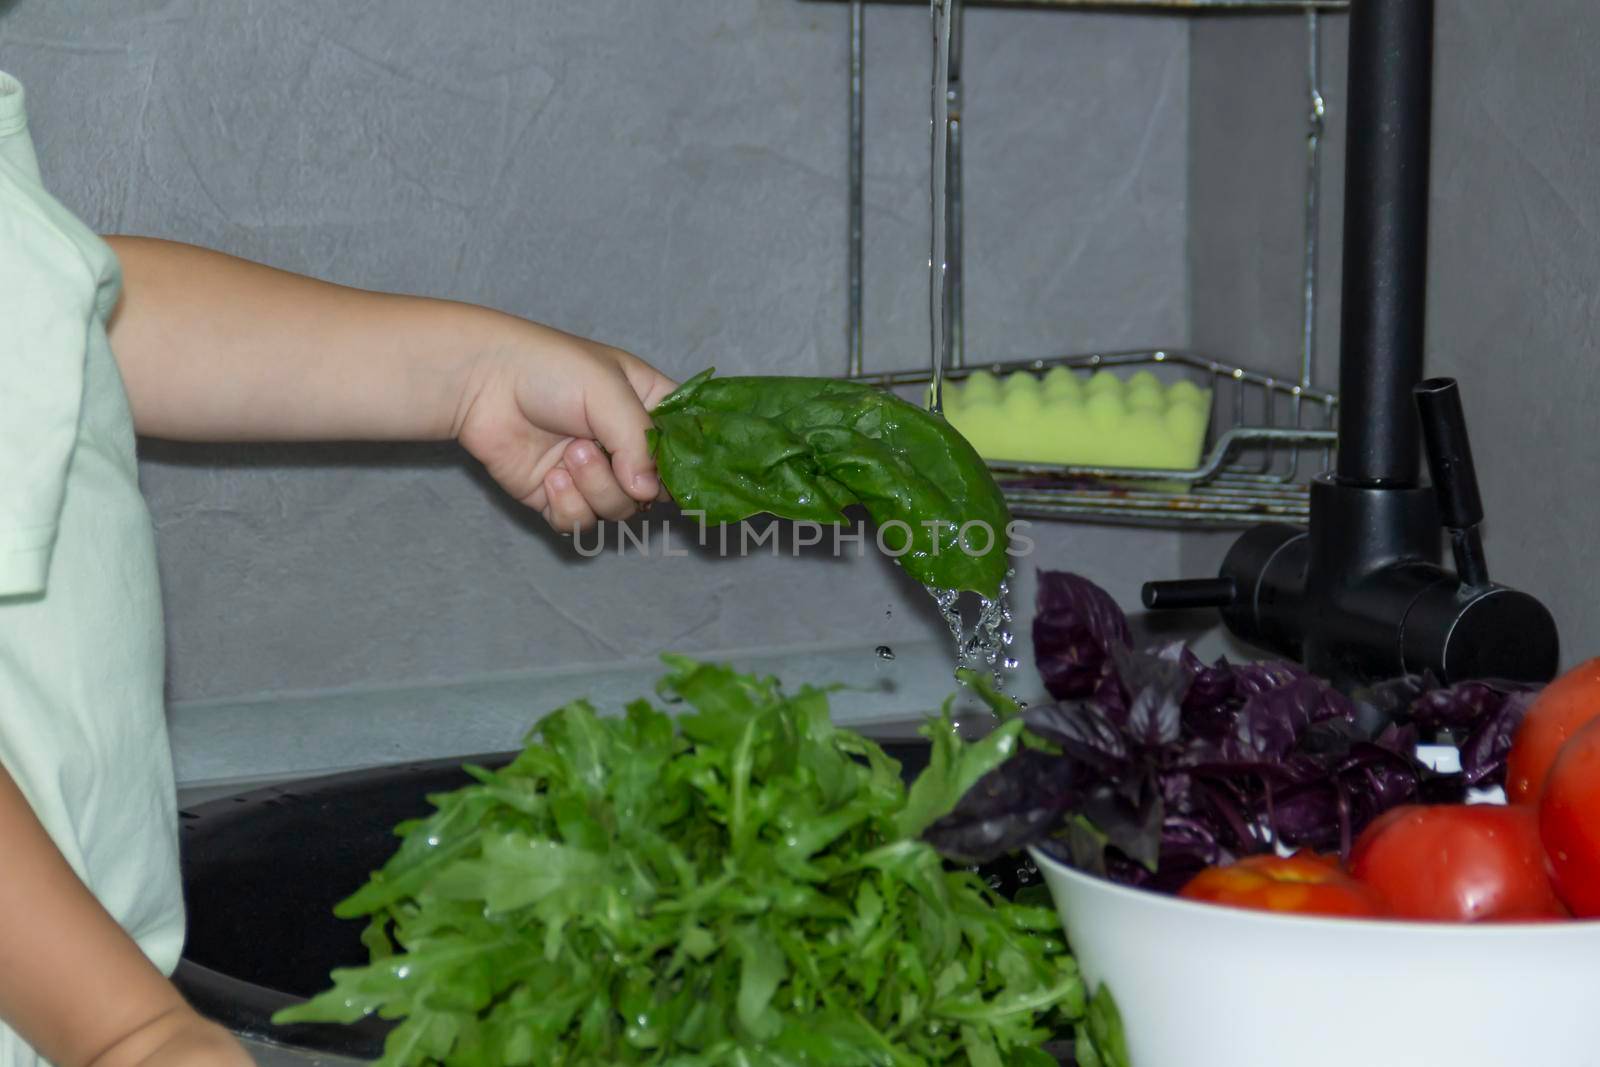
x,y
1359,595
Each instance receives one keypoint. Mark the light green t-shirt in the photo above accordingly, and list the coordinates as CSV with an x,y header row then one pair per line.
x,y
82,726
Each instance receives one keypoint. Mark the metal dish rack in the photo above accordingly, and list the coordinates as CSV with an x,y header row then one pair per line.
x,y
1253,469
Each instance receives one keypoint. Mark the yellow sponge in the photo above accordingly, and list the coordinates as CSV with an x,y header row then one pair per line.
x,y
1103,421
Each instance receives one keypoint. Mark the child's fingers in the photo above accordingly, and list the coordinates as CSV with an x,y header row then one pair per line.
x,y
593,476
567,511
618,418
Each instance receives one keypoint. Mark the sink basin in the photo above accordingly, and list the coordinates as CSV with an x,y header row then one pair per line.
x,y
262,871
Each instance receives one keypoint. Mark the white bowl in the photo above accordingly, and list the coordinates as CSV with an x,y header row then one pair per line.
x,y
1201,985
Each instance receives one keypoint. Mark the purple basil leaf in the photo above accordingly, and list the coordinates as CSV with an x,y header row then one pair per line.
x,y
1484,752
1079,844
1211,701
1156,687
1229,815
1463,707
1120,869
1176,786
1179,864
1332,737
1306,816
1132,786
1110,696
1075,627
1395,739
1180,835
1455,707
1329,812
1251,679
1058,847
1007,808
1392,699
1272,721
1083,730
1381,778
1134,829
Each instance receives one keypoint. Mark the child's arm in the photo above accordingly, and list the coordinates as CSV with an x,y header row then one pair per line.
x,y
72,983
220,349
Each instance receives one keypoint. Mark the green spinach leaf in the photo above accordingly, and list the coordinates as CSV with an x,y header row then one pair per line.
x,y
807,448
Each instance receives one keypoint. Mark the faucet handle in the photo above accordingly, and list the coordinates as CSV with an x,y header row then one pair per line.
x,y
1455,479
1190,593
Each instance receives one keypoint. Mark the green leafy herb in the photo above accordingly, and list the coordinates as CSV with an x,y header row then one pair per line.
x,y
807,448
740,886
1100,1041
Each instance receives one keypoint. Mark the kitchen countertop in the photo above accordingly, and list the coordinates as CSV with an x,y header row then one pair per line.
x,y
224,746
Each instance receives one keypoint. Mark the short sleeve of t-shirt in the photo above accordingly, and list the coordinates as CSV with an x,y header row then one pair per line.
x,y
82,726
52,282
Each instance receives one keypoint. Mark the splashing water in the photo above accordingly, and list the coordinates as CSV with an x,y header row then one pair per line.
x,y
986,643
938,268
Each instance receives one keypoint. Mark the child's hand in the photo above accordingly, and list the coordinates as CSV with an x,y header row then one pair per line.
x,y
545,410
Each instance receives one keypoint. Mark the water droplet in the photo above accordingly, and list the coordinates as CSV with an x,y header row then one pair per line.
x,y
885,652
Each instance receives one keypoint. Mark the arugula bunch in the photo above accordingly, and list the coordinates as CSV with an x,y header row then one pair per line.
x,y
807,448
742,885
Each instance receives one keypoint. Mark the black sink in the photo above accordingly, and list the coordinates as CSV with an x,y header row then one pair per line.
x,y
261,874
263,870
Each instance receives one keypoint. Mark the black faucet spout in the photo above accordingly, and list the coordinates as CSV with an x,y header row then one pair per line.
x,y
1383,306
1359,594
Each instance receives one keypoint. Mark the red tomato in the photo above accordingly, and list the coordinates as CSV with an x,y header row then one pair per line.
x,y
1560,710
1304,883
1458,863
1569,822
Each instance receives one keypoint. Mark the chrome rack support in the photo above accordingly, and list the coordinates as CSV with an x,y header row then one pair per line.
x,y
952,191
857,96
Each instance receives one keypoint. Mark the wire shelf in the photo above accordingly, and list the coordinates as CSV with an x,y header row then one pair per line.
x,y
1251,470
1262,426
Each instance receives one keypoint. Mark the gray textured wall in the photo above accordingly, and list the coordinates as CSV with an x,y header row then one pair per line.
x,y
1247,182
1247,178
667,177
1514,256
